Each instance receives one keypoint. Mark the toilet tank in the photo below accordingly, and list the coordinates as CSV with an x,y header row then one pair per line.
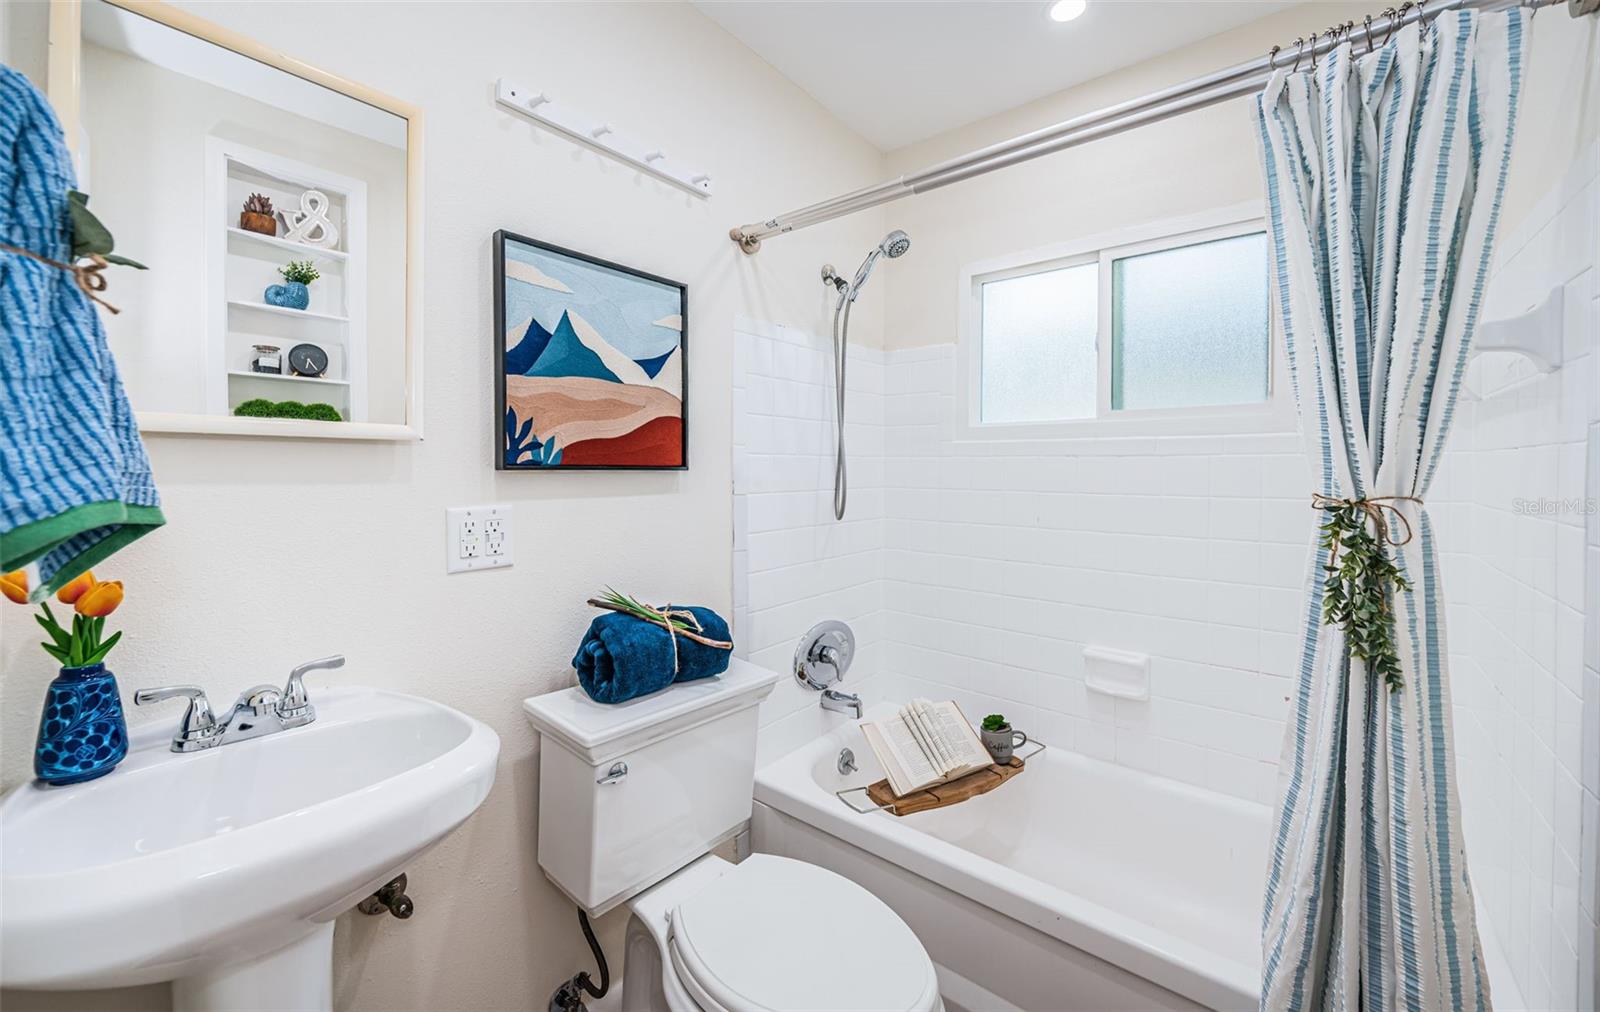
x,y
631,792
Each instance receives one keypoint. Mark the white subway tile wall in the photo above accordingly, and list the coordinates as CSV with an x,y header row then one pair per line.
x,y
793,564
979,571
1514,505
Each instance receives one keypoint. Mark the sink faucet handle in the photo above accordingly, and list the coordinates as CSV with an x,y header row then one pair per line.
x,y
198,721
294,693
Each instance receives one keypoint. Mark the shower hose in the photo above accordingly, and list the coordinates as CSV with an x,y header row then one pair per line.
x,y
841,336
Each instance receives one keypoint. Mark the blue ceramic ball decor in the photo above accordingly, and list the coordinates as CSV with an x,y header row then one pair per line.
x,y
290,295
82,732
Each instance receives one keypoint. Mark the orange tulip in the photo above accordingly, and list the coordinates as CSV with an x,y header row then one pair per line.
x,y
14,586
100,600
74,588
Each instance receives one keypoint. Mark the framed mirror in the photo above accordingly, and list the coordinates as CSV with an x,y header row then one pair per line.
x,y
278,209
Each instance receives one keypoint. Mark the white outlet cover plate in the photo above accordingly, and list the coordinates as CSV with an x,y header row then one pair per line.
x,y
473,543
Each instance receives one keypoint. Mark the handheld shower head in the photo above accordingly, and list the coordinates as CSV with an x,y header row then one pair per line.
x,y
894,245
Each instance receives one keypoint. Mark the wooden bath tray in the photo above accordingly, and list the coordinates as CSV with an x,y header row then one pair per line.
x,y
939,795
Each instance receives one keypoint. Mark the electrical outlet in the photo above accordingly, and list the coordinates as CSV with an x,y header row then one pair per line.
x,y
477,537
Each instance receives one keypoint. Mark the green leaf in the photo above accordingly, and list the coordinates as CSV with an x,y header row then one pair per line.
x,y
105,648
89,236
58,634
56,652
114,258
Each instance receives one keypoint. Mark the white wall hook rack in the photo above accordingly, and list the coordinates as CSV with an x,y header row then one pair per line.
x,y
539,106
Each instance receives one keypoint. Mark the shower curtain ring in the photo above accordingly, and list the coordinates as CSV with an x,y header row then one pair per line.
x,y
1299,50
1314,37
1272,58
1366,23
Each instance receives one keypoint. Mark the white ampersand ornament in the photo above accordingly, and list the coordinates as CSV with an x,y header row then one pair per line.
x,y
310,224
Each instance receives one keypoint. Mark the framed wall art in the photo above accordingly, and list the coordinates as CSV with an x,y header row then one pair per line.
x,y
591,362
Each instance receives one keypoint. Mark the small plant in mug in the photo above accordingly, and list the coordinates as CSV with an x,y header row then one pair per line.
x,y
302,271
995,722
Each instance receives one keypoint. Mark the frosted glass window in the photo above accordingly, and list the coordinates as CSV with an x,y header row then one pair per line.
x,y
1189,325
1038,355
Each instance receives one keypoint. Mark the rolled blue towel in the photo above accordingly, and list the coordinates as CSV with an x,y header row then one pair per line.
x,y
622,657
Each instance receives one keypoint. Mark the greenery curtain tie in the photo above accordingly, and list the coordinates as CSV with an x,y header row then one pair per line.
x,y
1378,509
87,275
1356,593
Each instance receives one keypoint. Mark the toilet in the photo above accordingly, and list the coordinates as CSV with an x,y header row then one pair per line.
x,y
633,799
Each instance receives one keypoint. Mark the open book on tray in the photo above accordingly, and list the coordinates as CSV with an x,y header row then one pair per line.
x,y
925,744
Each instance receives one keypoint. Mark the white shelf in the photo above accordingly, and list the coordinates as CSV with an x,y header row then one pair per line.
x,y
247,374
285,244
237,271
285,311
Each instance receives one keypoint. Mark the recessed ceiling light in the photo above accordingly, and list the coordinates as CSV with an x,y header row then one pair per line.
x,y
1066,10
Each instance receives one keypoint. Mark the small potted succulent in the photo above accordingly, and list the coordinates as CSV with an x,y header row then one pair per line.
x,y
82,731
257,215
293,293
999,738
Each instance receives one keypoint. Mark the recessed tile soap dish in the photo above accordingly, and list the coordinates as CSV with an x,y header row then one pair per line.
x,y
1120,673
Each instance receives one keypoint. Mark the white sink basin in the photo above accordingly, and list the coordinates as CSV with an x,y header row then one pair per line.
x,y
204,866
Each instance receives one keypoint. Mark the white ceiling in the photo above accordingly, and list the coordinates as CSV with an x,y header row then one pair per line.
x,y
901,72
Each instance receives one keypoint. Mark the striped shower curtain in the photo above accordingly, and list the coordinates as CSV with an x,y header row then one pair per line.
x,y
1384,172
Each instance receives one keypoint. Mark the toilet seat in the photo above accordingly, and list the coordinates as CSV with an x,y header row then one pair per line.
x,y
775,934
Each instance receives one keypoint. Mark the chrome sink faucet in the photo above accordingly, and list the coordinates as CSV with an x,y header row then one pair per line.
x,y
258,711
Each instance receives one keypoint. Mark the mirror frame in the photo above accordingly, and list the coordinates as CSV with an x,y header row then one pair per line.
x,y
62,85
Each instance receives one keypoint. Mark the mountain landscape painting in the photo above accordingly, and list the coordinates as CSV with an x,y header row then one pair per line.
x,y
590,359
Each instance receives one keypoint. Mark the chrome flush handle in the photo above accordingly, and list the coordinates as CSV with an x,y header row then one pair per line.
x,y
615,774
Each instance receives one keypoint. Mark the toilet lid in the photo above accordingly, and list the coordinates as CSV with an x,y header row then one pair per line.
x,y
778,934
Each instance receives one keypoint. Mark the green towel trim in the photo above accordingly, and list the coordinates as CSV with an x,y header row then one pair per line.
x,y
28,542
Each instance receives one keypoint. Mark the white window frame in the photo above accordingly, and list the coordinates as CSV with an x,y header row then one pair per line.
x,y
1275,414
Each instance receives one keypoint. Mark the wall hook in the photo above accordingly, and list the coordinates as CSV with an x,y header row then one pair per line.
x,y
598,134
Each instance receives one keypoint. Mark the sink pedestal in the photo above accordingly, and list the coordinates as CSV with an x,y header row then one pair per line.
x,y
298,976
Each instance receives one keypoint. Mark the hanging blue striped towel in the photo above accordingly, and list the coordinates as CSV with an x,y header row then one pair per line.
x,y
75,483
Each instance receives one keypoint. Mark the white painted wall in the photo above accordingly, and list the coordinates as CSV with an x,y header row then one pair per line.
x,y
280,551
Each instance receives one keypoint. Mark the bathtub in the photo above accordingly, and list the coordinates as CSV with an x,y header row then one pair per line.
x,y
1077,885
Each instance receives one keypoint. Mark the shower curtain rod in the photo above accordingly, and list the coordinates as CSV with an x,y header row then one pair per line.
x,y
1233,82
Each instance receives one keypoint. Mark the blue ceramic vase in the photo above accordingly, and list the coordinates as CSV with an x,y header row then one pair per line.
x,y
82,733
290,295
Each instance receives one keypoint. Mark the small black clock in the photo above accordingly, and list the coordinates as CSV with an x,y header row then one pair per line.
x,y
307,360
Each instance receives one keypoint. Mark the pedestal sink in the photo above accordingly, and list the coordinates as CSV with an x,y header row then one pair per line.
x,y
223,870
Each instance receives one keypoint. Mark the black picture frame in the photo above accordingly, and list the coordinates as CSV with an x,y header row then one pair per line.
x,y
499,351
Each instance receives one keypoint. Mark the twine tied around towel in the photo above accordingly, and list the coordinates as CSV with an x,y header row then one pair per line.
x,y
664,616
87,275
1378,509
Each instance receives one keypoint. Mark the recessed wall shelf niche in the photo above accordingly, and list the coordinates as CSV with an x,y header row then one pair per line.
x,y
241,264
